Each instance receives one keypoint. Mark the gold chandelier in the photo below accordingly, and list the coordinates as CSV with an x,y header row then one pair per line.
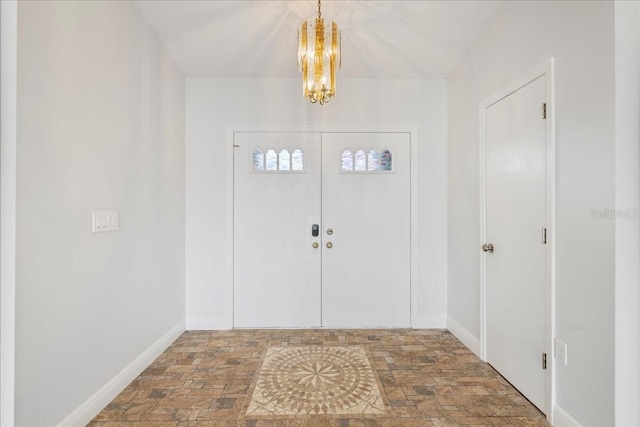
x,y
318,55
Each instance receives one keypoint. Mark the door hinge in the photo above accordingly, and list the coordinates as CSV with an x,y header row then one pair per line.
x,y
235,146
544,360
544,110
544,236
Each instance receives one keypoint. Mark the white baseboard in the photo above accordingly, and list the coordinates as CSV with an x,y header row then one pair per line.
x,y
223,323
429,322
464,336
562,419
209,324
92,406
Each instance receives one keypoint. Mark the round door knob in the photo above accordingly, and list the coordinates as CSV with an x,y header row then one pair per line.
x,y
329,245
329,231
315,245
488,247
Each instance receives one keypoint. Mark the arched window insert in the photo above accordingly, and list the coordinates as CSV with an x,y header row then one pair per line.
x,y
297,161
371,162
274,161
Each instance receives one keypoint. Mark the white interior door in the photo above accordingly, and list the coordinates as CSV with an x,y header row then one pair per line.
x,y
516,309
366,230
276,202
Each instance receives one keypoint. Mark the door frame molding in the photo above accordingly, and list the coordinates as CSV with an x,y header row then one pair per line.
x,y
8,175
546,70
415,319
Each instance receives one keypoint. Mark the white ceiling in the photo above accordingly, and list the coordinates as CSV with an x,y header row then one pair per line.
x,y
257,38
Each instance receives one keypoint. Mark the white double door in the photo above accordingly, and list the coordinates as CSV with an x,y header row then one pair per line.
x,y
355,189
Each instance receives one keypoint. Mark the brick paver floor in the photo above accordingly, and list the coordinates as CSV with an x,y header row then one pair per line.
x,y
424,377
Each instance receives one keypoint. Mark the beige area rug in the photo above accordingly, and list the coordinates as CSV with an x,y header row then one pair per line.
x,y
316,380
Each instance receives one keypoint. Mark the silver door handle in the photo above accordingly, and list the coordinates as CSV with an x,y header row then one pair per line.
x,y
488,247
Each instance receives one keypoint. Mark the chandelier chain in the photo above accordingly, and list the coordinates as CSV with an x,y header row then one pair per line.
x,y
319,12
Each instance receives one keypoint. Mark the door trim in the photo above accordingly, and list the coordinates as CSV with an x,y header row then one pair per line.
x,y
416,320
8,149
546,70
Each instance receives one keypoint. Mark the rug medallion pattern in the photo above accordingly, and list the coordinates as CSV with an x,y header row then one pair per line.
x,y
316,380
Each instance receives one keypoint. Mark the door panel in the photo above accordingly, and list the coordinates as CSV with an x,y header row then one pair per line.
x,y
366,272
515,271
276,269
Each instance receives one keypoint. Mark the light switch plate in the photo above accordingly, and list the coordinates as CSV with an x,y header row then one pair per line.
x,y
105,221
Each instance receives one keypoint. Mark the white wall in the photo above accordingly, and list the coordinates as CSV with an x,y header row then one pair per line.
x,y
627,294
100,127
580,36
212,105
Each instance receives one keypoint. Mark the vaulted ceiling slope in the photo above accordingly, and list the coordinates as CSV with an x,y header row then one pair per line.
x,y
380,39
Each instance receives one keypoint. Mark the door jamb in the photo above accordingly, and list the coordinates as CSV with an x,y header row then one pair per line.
x,y
413,143
8,150
545,69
